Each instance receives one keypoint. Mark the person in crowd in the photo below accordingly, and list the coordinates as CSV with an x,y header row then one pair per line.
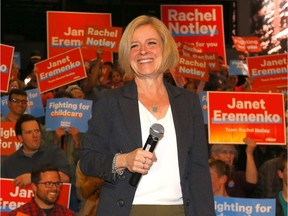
x,y
120,123
14,70
31,81
233,83
35,57
114,79
92,86
17,104
75,91
282,197
88,190
269,184
239,184
224,71
107,67
220,172
190,85
15,84
69,139
32,154
15,75
243,57
46,185
215,83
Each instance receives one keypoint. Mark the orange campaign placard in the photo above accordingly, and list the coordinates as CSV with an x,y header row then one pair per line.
x,y
247,44
104,36
268,73
9,141
198,25
65,31
192,68
60,70
5,65
13,196
232,116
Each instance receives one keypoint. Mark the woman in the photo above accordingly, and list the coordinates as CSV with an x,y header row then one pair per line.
x,y
239,183
175,178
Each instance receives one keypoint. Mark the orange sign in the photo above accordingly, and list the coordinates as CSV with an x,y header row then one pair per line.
x,y
60,70
192,68
13,197
105,36
9,141
198,25
5,65
269,73
233,116
65,31
247,44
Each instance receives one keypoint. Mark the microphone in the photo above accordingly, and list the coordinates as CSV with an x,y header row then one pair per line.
x,y
156,133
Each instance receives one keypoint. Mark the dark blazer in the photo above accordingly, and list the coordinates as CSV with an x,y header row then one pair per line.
x,y
115,127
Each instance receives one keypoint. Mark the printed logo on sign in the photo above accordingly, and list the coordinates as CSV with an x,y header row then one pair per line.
x,y
65,124
3,68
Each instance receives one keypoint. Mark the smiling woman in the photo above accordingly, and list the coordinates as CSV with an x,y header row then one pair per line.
x,y
121,121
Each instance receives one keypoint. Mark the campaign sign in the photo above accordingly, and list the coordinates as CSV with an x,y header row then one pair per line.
x,y
269,73
13,196
232,206
247,44
232,116
192,68
66,112
238,67
5,65
199,25
65,31
60,70
9,142
104,36
34,105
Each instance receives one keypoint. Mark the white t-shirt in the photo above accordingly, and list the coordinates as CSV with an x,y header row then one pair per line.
x,y
161,186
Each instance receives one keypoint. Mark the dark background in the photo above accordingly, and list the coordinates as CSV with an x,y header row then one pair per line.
x,y
23,22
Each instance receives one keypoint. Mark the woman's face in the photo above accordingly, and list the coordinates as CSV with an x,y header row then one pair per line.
x,y
227,154
146,51
116,77
14,85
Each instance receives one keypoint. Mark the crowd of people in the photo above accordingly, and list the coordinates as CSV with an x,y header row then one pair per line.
x,y
138,92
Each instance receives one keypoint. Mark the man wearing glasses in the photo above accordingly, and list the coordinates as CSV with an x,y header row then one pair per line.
x,y
17,103
46,185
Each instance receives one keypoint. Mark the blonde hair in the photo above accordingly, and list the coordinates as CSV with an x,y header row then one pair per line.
x,y
170,51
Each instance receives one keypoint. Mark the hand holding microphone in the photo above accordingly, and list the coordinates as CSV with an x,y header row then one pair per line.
x,y
156,133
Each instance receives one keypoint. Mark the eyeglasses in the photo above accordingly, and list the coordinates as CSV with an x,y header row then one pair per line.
x,y
50,184
15,100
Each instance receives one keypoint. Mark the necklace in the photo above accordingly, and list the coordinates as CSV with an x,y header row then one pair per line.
x,y
154,108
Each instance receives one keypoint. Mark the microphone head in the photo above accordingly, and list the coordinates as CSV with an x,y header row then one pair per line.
x,y
157,130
